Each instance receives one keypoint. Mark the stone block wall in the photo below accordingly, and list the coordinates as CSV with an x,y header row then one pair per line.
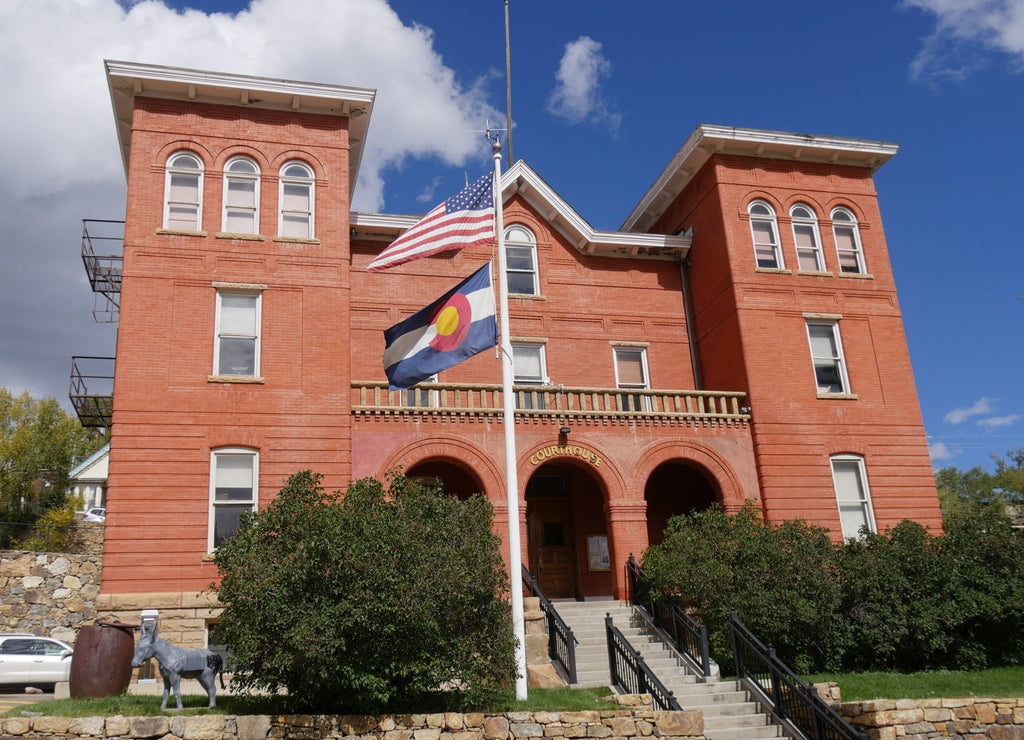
x,y
625,724
934,719
52,594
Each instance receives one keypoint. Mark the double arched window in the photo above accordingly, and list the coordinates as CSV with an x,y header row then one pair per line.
x,y
183,192
848,246
296,201
521,260
241,196
808,240
765,231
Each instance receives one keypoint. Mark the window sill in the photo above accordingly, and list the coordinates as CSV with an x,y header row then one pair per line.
x,y
774,270
295,240
208,557
240,237
819,273
837,396
242,379
179,232
527,296
857,275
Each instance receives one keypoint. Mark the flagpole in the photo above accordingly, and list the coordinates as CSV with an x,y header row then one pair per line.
x,y
515,557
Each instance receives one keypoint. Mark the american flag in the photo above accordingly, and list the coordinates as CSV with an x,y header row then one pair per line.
x,y
464,220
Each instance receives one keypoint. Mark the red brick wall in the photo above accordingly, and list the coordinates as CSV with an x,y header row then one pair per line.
x,y
752,323
167,415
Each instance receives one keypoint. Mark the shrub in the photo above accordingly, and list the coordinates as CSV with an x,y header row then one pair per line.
x,y
779,578
384,600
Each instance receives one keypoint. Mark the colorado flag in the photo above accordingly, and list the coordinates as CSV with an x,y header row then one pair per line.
x,y
453,328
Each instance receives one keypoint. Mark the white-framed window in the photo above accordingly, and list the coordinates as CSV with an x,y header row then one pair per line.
x,y
422,397
852,495
241,196
764,230
521,260
827,357
183,192
234,476
807,238
529,368
297,199
848,246
631,374
236,349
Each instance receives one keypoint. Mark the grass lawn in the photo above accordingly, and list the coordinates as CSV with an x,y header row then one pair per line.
x,y
539,700
992,683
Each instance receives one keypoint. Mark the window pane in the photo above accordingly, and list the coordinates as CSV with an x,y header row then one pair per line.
x,y
242,193
295,197
238,314
182,217
234,471
823,341
184,188
240,222
237,356
225,520
519,258
852,518
631,369
527,364
520,282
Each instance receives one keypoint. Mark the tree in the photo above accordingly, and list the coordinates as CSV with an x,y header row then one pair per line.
x,y
381,600
39,445
966,493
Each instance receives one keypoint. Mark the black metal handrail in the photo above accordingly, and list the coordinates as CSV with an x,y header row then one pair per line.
x,y
630,672
788,698
561,641
688,636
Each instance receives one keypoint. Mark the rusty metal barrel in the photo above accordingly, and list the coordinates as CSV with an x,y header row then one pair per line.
x,y
102,662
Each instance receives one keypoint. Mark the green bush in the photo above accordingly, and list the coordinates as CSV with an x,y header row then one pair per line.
x,y
779,578
381,600
905,600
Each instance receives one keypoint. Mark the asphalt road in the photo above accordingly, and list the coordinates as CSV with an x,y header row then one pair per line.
x,y
11,696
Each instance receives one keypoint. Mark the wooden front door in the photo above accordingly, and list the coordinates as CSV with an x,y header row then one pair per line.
x,y
552,545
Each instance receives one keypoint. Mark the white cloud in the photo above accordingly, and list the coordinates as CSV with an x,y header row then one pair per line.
x,y
65,164
999,421
980,407
965,31
577,95
941,451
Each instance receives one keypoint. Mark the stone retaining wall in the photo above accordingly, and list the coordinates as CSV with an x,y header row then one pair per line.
x,y
627,724
52,594
932,719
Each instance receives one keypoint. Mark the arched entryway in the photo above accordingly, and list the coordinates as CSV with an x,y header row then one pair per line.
x,y
676,487
456,480
567,533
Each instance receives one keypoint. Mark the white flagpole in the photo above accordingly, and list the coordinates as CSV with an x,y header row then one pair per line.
x,y
515,557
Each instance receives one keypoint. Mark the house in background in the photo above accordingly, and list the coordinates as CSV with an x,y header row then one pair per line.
x,y
737,340
89,480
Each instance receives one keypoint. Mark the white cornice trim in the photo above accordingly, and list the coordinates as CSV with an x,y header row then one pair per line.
x,y
127,80
707,140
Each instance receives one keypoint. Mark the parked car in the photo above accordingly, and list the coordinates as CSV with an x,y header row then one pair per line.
x,y
95,515
32,660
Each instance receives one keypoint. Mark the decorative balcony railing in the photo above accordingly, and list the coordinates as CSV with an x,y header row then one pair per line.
x,y
551,402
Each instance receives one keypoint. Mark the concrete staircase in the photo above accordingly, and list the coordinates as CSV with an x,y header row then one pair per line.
x,y
729,711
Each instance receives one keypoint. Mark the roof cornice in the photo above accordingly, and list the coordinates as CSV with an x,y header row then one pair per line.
x,y
708,140
129,79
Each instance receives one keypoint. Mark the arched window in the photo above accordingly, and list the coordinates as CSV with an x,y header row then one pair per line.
x,y
241,196
848,247
765,231
521,260
183,192
297,201
807,238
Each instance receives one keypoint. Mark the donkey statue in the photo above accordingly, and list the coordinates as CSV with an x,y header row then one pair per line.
x,y
177,663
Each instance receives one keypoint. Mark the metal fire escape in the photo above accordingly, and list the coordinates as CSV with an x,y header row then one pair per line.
x,y
92,378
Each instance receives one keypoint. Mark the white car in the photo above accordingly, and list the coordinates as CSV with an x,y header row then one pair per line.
x,y
32,660
95,515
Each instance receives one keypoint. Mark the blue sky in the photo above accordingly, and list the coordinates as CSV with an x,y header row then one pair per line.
x,y
603,95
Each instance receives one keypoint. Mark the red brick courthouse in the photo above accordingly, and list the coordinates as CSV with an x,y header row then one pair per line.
x,y
737,339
